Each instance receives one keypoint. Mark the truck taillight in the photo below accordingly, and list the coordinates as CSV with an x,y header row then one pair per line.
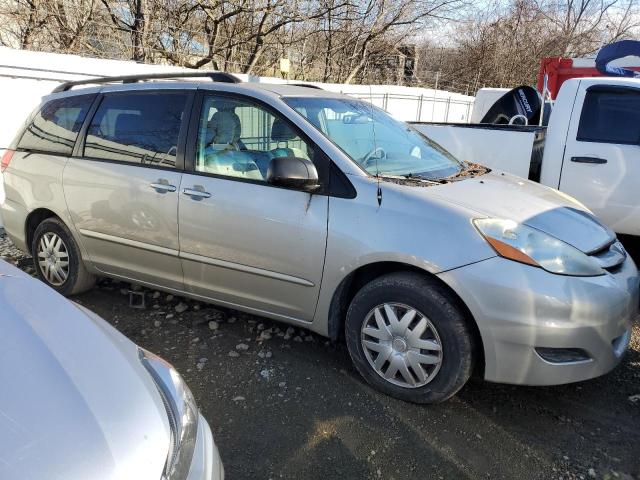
x,y
6,159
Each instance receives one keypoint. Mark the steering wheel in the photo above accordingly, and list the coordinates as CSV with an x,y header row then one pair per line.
x,y
376,154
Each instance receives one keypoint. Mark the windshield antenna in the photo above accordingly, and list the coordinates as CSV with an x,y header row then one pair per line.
x,y
375,147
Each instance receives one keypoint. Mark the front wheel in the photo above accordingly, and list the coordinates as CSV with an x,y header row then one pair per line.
x,y
57,259
408,337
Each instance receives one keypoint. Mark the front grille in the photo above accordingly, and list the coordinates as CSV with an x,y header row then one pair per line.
x,y
610,257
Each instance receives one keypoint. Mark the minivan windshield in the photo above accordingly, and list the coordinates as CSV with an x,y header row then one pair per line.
x,y
377,142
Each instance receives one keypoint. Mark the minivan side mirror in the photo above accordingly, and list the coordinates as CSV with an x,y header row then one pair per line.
x,y
293,172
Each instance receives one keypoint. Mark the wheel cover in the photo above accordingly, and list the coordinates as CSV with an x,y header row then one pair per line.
x,y
53,259
401,345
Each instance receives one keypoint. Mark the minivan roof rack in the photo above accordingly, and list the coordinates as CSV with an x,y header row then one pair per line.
x,y
214,76
306,85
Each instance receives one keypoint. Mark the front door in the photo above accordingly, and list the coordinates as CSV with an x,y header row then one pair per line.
x,y
244,242
122,192
601,165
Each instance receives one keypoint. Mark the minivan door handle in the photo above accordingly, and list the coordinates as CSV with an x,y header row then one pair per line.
x,y
196,193
588,160
162,186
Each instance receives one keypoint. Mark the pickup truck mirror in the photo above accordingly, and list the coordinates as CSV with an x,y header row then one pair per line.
x,y
293,172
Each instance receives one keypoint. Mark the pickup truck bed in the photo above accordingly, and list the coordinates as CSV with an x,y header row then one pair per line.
x,y
590,150
513,148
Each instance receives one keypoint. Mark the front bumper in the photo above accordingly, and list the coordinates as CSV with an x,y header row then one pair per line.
x,y
206,463
519,308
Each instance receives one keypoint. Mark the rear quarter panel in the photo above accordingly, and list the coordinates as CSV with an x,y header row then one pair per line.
x,y
33,181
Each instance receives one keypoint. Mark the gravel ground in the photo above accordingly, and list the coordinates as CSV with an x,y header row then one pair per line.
x,y
284,403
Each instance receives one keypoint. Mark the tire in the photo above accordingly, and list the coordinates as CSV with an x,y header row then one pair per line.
x,y
52,242
441,345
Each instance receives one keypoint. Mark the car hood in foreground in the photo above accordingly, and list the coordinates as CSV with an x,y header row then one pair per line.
x,y
506,196
75,402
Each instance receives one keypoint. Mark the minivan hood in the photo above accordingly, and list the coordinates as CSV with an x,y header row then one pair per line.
x,y
500,195
75,402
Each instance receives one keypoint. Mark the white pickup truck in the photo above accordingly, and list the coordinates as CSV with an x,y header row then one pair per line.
x,y
590,150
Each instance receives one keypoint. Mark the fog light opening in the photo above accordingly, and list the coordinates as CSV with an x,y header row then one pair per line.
x,y
563,355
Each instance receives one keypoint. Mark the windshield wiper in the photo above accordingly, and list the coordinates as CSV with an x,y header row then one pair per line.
x,y
413,176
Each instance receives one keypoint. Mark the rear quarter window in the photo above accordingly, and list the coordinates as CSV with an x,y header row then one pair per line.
x,y
610,116
54,127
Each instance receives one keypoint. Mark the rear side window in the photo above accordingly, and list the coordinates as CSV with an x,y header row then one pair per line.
x,y
141,128
610,116
54,128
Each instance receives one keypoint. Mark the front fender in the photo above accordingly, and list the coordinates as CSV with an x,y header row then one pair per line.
x,y
408,227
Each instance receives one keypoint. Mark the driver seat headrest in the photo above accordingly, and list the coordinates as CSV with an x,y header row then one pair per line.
x,y
224,127
281,132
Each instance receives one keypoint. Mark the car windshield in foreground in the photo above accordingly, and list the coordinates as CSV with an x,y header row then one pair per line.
x,y
380,144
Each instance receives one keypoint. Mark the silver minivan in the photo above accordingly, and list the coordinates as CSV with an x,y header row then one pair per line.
x,y
321,211
80,401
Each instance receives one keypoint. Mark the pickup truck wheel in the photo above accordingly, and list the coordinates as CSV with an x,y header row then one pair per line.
x,y
408,338
57,259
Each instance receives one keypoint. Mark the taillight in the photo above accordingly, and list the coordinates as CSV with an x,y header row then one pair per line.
x,y
6,159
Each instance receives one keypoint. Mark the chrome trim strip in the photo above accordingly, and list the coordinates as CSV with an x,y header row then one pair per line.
x,y
198,258
223,303
129,243
245,268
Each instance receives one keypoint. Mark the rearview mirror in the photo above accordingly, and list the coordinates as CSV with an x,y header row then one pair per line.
x,y
356,118
293,172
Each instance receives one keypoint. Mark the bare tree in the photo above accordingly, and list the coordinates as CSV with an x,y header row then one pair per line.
x,y
501,46
329,40
133,17
22,23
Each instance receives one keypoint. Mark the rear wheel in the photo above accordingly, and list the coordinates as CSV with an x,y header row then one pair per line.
x,y
57,259
408,337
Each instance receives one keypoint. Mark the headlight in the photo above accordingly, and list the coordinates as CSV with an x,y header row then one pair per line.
x,y
528,245
181,410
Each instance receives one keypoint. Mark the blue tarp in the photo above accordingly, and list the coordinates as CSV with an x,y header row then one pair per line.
x,y
614,51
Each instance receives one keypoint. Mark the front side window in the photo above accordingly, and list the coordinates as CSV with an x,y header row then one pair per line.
x,y
610,116
54,128
237,138
141,128
374,140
